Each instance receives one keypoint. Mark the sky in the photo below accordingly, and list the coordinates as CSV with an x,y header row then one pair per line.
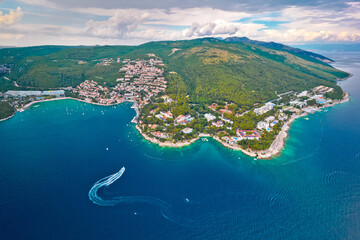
x,y
124,22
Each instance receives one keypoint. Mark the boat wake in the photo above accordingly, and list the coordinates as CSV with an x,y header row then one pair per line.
x,y
162,205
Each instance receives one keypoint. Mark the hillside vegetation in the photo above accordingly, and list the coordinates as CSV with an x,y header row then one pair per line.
x,y
6,110
209,69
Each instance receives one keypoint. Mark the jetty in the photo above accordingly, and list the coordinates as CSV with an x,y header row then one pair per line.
x,y
135,106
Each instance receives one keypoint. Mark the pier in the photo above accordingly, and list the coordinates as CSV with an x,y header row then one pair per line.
x,y
135,106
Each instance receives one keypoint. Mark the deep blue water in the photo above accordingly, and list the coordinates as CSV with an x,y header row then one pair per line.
x,y
51,156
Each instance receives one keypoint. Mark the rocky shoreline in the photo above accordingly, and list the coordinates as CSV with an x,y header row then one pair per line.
x,y
167,143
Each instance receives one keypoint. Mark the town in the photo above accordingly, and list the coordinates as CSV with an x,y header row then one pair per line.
x,y
142,80
255,128
163,117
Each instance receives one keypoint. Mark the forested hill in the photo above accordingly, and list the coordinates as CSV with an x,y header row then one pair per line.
x,y
278,46
207,69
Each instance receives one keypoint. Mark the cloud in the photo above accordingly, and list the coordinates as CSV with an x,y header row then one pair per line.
x,y
11,36
42,3
220,27
173,16
117,26
11,18
229,5
87,22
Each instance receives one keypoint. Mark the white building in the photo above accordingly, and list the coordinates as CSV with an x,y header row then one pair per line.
x,y
302,94
262,125
187,130
209,117
218,124
264,109
226,120
269,119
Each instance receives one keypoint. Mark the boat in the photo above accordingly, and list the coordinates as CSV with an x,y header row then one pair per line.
x,y
187,200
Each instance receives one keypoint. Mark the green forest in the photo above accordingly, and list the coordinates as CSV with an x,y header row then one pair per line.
x,y
208,69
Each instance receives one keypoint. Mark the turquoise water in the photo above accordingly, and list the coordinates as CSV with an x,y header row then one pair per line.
x,y
52,155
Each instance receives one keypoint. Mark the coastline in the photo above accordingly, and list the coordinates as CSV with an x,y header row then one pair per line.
x,y
167,143
274,150
3,119
56,99
64,98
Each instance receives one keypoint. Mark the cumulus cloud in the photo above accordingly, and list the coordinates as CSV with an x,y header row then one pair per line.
x,y
11,18
118,25
221,27
293,24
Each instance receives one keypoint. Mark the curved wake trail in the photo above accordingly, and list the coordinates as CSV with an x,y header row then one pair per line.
x,y
107,181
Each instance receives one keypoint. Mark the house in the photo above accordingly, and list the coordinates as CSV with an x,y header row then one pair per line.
x,y
218,124
154,111
226,110
248,134
187,130
209,117
181,119
164,115
167,99
226,120
213,106
152,126
167,114
160,135
230,140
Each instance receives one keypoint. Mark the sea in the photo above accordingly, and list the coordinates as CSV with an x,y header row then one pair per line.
x,y
60,179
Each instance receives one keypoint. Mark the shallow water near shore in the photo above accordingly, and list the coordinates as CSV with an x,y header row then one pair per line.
x,y
53,154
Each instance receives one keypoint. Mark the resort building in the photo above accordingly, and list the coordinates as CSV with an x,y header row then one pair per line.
x,y
248,134
264,109
56,93
269,119
263,125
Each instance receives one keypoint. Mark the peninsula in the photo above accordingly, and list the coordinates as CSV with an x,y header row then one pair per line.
x,y
243,93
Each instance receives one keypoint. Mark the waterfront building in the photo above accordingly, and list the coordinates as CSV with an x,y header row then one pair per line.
x,y
248,134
